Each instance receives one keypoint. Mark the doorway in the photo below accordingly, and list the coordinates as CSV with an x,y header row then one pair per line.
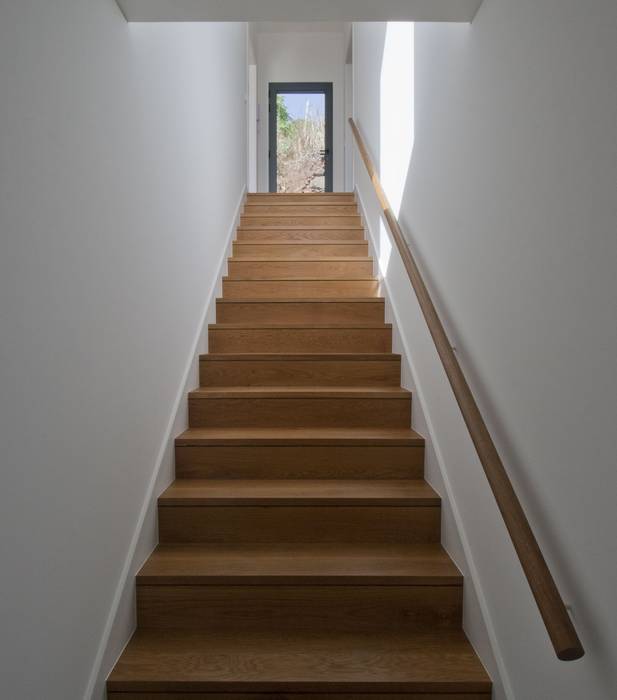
x,y
300,137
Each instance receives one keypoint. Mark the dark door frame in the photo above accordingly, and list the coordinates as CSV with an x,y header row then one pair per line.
x,y
278,88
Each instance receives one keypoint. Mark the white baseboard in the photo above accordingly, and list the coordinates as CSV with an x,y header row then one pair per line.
x,y
121,620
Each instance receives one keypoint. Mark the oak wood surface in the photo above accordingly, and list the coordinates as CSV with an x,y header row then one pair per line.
x,y
442,661
303,311
305,492
291,523
300,288
300,234
324,268
420,564
292,249
287,338
279,369
298,608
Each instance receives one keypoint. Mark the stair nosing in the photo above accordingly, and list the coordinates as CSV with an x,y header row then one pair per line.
x,y
297,326
207,493
301,392
258,555
300,436
332,241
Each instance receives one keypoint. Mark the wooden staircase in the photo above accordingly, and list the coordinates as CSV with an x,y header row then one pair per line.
x,y
299,553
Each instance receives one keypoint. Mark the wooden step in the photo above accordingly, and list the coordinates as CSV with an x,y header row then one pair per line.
x,y
300,564
376,369
306,220
316,453
311,511
300,208
324,268
296,587
297,407
308,288
302,234
341,310
299,492
273,250
267,338
433,662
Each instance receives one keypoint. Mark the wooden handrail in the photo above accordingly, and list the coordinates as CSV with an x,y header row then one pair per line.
x,y
552,608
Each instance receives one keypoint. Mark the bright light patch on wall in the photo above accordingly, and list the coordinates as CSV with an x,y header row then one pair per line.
x,y
397,110
385,248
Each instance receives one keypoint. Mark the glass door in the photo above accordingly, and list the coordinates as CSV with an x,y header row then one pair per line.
x,y
300,149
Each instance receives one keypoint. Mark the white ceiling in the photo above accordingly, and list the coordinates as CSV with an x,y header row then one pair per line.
x,y
299,10
302,27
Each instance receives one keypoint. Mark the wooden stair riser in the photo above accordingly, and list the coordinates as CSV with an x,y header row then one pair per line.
x,y
300,412
360,311
299,209
290,372
268,340
224,608
284,269
299,289
287,524
299,462
334,221
307,251
302,234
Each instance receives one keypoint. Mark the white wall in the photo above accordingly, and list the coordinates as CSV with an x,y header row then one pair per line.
x,y
301,57
509,202
118,184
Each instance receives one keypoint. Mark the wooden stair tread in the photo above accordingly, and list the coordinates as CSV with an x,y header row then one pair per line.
x,y
428,661
288,564
299,227
190,492
301,300
282,356
300,436
295,392
275,201
301,279
322,241
341,326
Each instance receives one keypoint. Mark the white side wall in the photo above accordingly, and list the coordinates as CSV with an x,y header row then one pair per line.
x,y
509,202
304,58
122,161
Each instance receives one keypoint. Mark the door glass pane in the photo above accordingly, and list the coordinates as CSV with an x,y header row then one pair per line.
x,y
301,142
